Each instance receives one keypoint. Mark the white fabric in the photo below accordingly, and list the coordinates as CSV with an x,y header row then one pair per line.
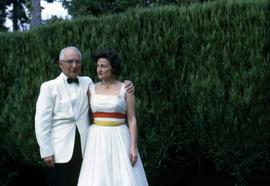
x,y
106,159
55,120
104,103
74,92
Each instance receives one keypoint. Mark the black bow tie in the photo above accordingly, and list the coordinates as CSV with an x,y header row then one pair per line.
x,y
74,80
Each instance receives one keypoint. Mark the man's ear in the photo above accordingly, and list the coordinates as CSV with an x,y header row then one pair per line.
x,y
59,63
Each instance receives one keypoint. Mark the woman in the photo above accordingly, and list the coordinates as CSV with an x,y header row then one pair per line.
x,y
111,157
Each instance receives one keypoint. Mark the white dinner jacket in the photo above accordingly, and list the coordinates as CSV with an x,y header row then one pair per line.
x,y
55,121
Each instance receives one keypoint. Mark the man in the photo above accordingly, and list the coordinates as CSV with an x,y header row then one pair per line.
x,y
62,120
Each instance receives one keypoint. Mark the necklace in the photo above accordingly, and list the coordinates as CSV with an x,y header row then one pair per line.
x,y
106,86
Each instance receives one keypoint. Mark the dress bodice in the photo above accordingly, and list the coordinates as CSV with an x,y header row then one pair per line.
x,y
108,103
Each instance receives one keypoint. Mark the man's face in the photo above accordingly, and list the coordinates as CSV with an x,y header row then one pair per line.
x,y
71,65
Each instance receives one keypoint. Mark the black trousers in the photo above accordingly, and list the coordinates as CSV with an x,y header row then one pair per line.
x,y
67,174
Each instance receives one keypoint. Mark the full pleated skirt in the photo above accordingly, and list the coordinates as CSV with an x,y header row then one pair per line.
x,y
106,159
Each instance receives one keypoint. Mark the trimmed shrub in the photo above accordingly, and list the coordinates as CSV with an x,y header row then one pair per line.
x,y
201,76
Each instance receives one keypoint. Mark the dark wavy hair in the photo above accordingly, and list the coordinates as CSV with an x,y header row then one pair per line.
x,y
113,58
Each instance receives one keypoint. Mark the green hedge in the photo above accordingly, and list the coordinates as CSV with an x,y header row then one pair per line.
x,y
201,74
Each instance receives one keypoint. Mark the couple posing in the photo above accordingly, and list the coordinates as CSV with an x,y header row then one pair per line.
x,y
102,154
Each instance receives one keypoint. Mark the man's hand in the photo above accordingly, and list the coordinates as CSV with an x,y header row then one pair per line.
x,y
49,161
129,87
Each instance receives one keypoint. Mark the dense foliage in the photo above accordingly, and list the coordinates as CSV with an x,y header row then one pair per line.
x,y
201,75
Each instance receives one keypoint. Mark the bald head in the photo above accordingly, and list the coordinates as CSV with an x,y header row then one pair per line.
x,y
68,49
70,61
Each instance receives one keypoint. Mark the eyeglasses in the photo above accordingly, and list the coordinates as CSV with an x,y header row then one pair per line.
x,y
70,62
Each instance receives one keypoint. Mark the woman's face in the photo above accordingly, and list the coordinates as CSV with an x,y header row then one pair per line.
x,y
104,69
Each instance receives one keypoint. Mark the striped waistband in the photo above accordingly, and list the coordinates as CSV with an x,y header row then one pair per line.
x,y
109,119
108,123
109,115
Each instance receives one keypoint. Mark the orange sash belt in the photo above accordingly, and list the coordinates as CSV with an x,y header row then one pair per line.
x,y
109,115
109,119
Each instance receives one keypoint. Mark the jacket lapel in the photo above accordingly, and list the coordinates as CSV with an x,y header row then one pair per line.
x,y
64,92
81,96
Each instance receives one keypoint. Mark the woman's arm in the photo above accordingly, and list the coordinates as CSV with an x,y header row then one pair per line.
x,y
91,119
132,123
